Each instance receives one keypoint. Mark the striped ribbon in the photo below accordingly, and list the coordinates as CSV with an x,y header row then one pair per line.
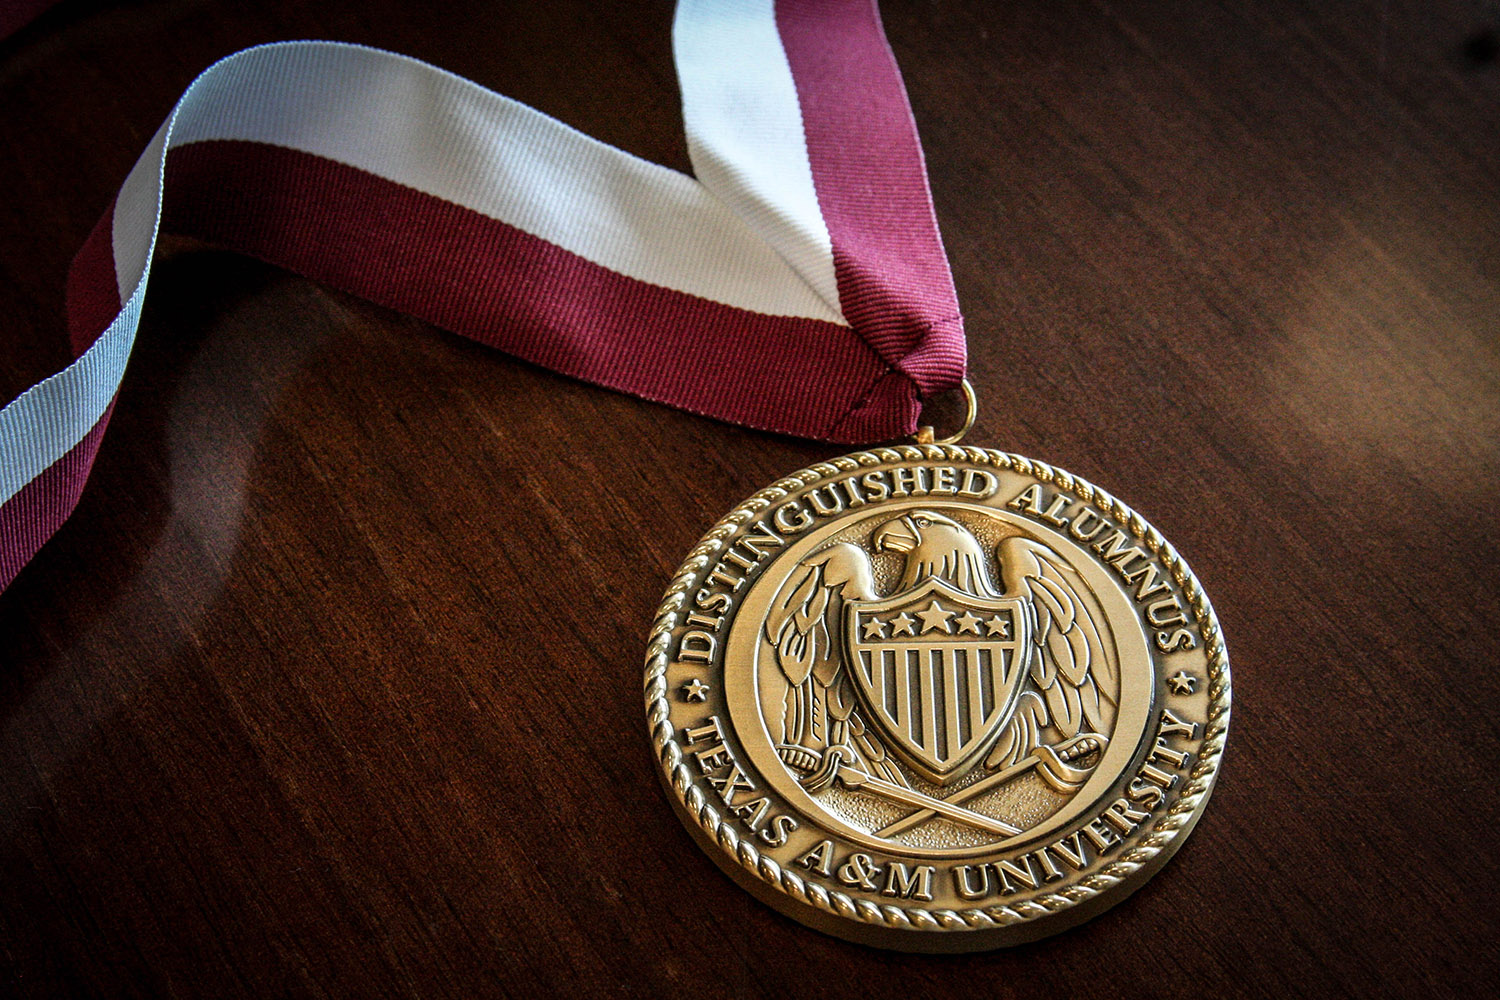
x,y
796,282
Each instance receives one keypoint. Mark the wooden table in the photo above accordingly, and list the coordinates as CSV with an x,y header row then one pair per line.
x,y
331,687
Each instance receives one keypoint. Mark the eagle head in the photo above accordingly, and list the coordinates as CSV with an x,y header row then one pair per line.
x,y
935,546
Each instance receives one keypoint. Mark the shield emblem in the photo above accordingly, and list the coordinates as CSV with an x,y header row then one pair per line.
x,y
939,671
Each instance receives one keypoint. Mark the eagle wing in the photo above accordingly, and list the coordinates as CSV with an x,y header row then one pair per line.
x,y
1074,680
806,628
806,622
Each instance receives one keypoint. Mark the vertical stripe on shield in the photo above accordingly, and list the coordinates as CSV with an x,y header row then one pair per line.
x,y
882,677
972,661
938,697
928,691
951,682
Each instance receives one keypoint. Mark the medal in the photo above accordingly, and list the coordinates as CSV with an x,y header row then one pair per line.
x,y
937,698
924,696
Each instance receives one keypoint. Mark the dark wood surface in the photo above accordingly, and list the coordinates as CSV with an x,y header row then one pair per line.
x,y
331,687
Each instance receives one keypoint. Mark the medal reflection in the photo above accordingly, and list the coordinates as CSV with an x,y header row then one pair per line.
x,y
951,671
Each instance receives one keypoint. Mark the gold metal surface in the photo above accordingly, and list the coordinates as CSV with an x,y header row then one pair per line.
x,y
937,698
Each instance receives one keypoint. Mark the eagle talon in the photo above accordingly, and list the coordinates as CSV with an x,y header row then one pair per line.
x,y
1080,746
821,770
799,758
1055,771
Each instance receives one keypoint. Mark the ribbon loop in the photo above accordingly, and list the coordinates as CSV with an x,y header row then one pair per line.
x,y
796,284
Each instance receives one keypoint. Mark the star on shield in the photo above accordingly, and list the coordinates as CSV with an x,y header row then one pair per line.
x,y
935,618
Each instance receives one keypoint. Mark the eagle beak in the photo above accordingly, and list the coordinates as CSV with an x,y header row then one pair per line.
x,y
899,535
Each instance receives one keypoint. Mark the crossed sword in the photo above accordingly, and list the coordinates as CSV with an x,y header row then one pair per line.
x,y
1053,763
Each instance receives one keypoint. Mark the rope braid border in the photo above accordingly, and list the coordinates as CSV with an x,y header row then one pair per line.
x,y
1166,829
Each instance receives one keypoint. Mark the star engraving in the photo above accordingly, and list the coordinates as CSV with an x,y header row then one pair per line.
x,y
999,626
968,622
695,690
903,624
874,628
1182,682
935,619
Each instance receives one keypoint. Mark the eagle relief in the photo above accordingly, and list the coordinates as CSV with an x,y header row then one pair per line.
x,y
939,681
937,698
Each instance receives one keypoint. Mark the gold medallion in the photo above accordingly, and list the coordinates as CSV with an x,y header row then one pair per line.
x,y
937,698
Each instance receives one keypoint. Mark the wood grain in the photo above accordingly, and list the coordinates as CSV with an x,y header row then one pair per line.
x,y
331,687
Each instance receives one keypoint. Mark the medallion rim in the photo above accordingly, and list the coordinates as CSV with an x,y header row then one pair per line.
x,y
912,927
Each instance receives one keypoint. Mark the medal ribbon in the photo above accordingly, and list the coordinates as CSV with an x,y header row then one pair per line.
x,y
796,282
